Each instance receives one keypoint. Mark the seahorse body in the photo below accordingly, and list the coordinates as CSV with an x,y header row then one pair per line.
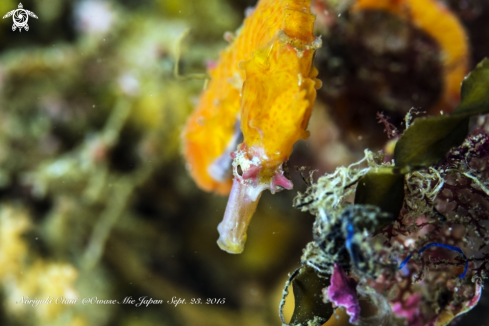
x,y
266,80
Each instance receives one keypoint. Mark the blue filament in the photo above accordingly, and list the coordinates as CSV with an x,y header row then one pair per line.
x,y
349,236
441,245
353,249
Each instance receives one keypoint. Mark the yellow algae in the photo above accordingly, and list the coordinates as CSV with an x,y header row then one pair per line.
x,y
54,280
13,249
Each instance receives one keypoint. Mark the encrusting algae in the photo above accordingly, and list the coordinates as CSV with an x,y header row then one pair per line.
x,y
265,82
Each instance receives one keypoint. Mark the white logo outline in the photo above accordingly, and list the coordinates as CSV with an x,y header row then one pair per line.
x,y
20,17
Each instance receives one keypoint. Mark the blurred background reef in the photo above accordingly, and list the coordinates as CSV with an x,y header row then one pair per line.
x,y
95,199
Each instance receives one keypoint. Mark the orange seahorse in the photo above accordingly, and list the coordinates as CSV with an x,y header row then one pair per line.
x,y
435,19
261,95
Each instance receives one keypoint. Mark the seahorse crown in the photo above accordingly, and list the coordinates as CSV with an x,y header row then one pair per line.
x,y
21,6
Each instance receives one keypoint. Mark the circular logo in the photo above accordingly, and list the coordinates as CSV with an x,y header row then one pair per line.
x,y
20,18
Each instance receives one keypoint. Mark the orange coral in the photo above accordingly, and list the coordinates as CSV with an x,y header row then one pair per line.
x,y
265,79
435,19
